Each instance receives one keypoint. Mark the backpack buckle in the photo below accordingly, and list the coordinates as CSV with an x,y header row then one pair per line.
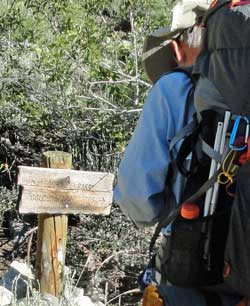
x,y
233,136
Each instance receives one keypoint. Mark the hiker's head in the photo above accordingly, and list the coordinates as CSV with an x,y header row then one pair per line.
x,y
187,46
166,48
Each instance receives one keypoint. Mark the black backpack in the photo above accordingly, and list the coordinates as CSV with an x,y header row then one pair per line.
x,y
213,249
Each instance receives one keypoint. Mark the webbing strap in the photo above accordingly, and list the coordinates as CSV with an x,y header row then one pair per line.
x,y
206,148
211,298
166,220
181,134
209,183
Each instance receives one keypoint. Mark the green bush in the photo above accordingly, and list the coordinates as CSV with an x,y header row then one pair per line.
x,y
71,75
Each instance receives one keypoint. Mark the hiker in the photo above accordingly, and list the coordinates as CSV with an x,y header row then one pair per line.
x,y
143,170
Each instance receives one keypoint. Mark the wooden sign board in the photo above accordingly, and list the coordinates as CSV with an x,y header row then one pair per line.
x,y
63,191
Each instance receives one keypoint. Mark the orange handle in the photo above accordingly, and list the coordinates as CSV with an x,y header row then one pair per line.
x,y
151,297
190,211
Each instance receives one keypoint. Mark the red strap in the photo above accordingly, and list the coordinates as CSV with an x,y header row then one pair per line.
x,y
239,2
244,302
246,155
213,4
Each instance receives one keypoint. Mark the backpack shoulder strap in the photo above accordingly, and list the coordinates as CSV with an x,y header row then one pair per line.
x,y
187,127
188,71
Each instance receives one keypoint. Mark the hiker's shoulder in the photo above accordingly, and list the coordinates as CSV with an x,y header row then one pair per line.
x,y
174,85
174,80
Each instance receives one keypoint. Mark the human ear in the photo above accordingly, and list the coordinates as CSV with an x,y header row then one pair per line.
x,y
179,52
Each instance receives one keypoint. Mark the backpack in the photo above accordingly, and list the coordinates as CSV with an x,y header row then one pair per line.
x,y
211,248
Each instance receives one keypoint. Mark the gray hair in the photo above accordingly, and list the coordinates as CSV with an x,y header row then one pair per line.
x,y
192,36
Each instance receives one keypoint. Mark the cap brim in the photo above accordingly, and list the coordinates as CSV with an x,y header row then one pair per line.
x,y
158,55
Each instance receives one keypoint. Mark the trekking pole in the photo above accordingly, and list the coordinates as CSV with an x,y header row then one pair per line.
x,y
209,192
215,189
222,148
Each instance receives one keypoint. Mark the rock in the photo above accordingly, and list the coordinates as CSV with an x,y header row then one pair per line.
x,y
15,282
5,296
99,304
82,301
73,292
75,296
41,300
50,299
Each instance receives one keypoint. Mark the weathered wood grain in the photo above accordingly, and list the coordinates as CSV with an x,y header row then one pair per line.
x,y
58,201
64,191
52,236
65,179
51,251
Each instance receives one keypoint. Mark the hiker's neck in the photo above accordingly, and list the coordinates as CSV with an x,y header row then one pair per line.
x,y
185,55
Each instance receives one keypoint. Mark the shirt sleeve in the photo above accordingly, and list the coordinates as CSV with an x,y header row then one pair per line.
x,y
143,169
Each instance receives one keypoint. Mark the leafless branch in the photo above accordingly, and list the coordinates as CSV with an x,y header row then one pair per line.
x,y
101,109
131,78
124,293
137,89
107,260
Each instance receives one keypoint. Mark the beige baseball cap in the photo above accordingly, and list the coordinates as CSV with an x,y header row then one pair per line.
x,y
158,56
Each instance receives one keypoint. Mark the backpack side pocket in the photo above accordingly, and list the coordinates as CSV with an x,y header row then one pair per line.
x,y
237,252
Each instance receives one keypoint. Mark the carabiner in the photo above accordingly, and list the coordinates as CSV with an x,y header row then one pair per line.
x,y
234,134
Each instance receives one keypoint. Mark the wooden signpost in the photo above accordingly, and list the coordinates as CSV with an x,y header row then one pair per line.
x,y
53,191
47,190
